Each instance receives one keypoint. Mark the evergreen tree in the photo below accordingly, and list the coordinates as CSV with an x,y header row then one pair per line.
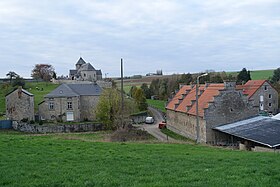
x,y
276,76
243,76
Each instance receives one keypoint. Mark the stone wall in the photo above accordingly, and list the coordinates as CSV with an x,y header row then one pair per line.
x,y
185,125
265,90
101,83
60,109
230,106
31,128
19,105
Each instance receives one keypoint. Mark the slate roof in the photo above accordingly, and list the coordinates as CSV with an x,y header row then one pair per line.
x,y
260,129
87,67
23,90
73,72
80,61
98,72
75,90
251,87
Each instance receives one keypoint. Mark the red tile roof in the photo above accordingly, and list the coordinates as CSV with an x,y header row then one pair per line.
x,y
251,87
207,96
179,95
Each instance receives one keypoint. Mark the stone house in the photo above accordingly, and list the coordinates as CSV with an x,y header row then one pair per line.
x,y
70,102
85,72
217,104
20,105
263,95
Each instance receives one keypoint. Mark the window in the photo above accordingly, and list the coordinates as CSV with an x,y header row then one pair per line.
x,y
269,104
69,106
51,106
269,96
265,87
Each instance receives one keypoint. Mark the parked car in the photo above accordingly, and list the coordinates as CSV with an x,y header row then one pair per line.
x,y
149,120
162,125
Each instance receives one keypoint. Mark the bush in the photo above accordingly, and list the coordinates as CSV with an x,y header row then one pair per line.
x,y
40,122
32,122
24,120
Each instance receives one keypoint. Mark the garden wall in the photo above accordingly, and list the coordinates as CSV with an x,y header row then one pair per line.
x,y
31,128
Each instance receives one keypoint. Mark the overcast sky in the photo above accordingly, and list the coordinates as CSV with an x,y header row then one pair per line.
x,y
175,36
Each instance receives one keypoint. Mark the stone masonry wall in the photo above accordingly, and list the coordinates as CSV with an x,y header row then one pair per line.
x,y
185,125
60,108
228,107
24,127
19,105
265,90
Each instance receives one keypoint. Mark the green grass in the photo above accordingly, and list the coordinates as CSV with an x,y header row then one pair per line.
x,y
39,94
159,104
261,74
175,136
54,160
257,75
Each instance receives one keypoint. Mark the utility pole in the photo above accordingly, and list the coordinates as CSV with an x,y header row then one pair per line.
x,y
122,104
197,117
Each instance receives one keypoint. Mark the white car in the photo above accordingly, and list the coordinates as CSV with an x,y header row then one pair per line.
x,y
149,120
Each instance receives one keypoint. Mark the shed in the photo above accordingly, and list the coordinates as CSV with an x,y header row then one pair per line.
x,y
259,130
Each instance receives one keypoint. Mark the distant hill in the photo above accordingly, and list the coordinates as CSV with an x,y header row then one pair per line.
x,y
255,75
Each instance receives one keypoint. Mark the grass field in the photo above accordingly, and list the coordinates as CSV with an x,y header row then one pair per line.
x,y
159,104
257,75
39,94
78,160
175,136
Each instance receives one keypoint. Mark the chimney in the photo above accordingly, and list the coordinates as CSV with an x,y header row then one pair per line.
x,y
19,91
229,85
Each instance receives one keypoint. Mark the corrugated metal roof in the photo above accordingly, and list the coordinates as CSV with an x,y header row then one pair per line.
x,y
277,116
260,129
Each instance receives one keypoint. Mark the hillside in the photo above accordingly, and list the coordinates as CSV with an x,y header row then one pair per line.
x,y
39,89
255,75
86,160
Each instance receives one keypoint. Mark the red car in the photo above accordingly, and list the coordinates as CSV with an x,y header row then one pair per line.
x,y
162,125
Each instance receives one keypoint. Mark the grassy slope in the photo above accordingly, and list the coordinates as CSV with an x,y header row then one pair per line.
x,y
39,94
57,161
157,104
257,75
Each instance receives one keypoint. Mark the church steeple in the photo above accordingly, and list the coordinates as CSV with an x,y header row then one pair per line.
x,y
80,63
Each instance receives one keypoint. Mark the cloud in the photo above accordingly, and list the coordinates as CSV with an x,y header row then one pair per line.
x,y
171,35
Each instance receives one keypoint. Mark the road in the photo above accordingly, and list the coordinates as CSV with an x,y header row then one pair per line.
x,y
153,128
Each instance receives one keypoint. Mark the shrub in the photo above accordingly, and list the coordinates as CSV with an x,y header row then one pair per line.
x,y
24,120
32,122
40,122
